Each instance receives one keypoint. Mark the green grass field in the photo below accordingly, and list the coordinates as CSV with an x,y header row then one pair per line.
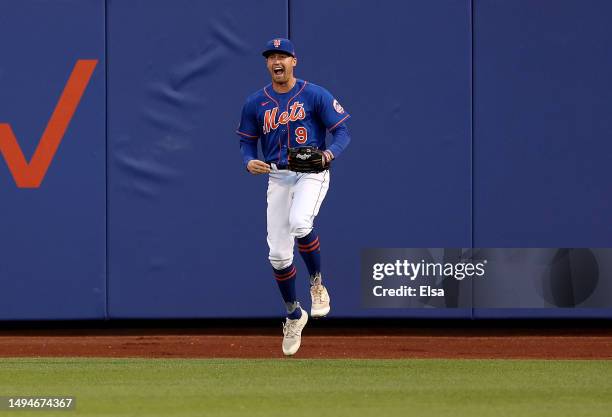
x,y
313,388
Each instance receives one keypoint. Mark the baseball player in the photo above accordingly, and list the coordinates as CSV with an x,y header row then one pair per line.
x,y
290,118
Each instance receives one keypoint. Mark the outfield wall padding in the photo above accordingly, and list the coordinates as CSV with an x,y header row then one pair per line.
x,y
475,123
53,238
542,129
402,71
186,223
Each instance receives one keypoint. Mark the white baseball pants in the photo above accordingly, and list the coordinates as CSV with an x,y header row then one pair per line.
x,y
293,202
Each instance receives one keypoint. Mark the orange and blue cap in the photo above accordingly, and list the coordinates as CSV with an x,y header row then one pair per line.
x,y
279,45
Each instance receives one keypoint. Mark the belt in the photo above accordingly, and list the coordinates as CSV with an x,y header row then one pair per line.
x,y
286,167
279,166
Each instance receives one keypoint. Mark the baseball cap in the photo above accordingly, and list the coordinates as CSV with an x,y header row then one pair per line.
x,y
279,45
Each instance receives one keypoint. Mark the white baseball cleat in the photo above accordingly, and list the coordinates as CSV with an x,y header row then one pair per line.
x,y
320,301
292,331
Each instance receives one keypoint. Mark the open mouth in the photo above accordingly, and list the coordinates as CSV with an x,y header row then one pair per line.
x,y
278,70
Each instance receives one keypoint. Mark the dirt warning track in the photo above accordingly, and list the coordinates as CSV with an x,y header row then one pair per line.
x,y
317,343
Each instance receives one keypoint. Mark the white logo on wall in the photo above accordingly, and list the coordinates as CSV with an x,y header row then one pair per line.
x,y
338,107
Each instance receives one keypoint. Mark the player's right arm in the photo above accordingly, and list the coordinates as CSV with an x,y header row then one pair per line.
x,y
249,135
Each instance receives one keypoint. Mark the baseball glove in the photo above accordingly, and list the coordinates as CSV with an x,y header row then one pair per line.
x,y
307,159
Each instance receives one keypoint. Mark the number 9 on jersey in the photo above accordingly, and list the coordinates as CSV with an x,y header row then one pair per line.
x,y
301,135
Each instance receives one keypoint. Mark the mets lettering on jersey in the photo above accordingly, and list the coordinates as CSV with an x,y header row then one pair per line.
x,y
300,117
272,123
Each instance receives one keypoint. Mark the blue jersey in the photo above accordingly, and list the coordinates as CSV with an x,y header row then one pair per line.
x,y
299,117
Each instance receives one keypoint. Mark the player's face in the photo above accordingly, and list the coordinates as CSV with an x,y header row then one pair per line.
x,y
280,67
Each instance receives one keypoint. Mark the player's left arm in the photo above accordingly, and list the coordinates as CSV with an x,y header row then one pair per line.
x,y
334,117
340,142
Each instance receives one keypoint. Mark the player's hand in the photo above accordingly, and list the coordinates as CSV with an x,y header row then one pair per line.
x,y
256,167
328,156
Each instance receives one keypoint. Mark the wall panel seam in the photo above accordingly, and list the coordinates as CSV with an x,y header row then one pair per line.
x,y
471,28
288,19
106,173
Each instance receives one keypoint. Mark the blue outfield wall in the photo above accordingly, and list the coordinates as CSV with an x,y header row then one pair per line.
x,y
542,128
186,223
52,238
403,73
475,123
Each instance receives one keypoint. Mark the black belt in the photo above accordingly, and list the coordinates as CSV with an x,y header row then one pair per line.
x,y
286,167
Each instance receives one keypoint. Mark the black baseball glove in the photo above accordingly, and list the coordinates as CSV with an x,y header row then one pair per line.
x,y
307,159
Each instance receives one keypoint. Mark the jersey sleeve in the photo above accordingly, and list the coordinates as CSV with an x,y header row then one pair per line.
x,y
331,112
248,122
340,142
248,132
